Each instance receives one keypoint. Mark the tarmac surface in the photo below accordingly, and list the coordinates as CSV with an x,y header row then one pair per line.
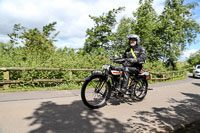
x,y
167,107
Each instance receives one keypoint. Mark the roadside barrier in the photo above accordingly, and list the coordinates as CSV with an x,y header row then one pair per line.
x,y
156,76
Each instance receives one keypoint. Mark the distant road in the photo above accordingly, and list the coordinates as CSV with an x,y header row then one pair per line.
x,y
166,107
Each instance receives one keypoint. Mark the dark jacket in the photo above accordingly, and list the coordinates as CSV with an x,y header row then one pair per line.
x,y
140,53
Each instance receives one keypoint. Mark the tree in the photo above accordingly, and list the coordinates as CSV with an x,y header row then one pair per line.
x,y
194,59
176,28
124,29
145,27
164,36
101,35
144,24
36,43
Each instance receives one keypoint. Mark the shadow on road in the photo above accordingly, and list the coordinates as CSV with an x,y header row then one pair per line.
x,y
197,84
75,117
54,118
169,118
193,77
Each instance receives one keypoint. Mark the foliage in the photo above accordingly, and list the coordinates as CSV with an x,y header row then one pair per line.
x,y
176,28
124,29
182,65
101,35
61,58
194,60
164,36
146,27
37,43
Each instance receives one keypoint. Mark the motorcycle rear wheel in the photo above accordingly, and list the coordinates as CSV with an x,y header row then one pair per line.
x,y
139,89
95,91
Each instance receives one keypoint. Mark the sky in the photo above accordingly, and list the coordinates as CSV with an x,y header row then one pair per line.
x,y
72,17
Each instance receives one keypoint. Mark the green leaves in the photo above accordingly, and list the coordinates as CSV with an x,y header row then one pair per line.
x,y
146,26
101,35
177,28
164,36
194,59
36,42
61,58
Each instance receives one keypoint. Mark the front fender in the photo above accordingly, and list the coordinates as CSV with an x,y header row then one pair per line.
x,y
96,75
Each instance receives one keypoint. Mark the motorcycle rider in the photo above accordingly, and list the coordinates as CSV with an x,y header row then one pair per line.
x,y
135,56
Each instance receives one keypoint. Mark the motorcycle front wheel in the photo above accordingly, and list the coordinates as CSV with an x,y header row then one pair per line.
x,y
95,91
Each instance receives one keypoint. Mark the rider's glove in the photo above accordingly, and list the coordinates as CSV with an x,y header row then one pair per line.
x,y
132,60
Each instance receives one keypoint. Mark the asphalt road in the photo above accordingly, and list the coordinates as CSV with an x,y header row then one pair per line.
x,y
167,106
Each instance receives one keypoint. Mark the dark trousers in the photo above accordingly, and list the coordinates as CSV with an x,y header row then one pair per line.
x,y
127,72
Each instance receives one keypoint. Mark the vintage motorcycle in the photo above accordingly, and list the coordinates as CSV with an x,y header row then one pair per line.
x,y
101,85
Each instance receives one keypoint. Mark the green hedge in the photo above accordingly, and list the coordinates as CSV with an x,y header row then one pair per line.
x,y
60,58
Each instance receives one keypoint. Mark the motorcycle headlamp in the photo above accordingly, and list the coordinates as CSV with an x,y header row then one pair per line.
x,y
106,67
96,72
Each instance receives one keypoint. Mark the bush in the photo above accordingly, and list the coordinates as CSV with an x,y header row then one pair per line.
x,y
60,58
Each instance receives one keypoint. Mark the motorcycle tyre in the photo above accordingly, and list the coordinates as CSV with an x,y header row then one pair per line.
x,y
138,98
84,87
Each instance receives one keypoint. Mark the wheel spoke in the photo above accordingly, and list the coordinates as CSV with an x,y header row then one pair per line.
x,y
140,89
95,93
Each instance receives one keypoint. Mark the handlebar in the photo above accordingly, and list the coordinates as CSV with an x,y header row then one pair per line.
x,y
119,60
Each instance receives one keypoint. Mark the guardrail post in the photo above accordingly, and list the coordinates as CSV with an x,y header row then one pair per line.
x,y
6,78
70,75
163,76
